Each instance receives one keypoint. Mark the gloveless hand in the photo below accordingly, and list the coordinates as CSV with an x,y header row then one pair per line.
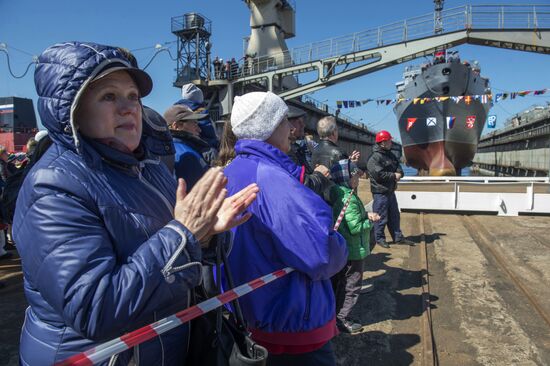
x,y
323,170
197,209
355,155
232,208
373,216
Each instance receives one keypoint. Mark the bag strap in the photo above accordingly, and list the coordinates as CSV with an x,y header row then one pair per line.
x,y
221,257
235,303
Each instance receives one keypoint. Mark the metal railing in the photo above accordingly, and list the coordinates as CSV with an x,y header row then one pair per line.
x,y
191,21
455,19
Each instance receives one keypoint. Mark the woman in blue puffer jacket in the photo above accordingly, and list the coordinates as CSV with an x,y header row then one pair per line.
x,y
107,243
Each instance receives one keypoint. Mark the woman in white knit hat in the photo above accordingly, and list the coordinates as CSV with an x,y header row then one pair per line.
x,y
294,318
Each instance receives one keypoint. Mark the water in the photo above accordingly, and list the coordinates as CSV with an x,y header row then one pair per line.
x,y
411,172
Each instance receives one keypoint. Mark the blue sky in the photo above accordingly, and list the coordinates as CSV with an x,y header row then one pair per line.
x,y
32,25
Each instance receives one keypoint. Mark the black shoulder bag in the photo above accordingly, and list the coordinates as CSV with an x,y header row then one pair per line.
x,y
218,338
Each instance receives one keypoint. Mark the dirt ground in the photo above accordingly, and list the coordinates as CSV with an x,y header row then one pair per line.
x,y
480,316
12,308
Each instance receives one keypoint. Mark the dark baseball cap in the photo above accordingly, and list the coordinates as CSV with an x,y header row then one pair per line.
x,y
294,112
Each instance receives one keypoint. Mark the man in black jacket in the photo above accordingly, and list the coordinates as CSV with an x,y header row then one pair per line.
x,y
315,179
327,153
385,171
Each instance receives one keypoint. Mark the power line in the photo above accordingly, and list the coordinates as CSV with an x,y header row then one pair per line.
x,y
25,52
381,119
158,45
159,50
498,104
9,64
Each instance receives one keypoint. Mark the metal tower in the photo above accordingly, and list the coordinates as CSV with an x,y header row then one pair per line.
x,y
193,31
438,21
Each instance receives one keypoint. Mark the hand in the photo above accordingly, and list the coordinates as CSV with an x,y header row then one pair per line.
x,y
373,216
232,207
398,176
197,209
355,155
323,170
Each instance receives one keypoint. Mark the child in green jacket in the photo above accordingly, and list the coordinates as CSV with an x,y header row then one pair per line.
x,y
355,228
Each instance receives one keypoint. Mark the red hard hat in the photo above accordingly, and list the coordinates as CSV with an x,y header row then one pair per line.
x,y
383,136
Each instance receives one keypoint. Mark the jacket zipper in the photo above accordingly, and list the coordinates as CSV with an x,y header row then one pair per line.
x,y
154,189
308,299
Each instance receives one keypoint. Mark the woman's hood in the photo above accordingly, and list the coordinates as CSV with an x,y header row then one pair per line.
x,y
62,73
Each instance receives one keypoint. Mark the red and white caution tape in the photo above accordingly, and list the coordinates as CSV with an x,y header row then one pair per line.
x,y
341,215
108,349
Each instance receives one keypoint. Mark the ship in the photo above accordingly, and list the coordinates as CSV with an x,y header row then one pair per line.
x,y
441,111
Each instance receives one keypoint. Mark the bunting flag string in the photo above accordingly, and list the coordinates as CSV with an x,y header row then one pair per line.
x,y
466,99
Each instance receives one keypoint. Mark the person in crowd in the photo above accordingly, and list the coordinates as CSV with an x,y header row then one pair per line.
x,y
355,228
228,74
189,162
310,144
384,172
157,137
327,152
7,168
227,146
315,179
291,226
217,67
109,241
234,68
14,182
29,148
193,98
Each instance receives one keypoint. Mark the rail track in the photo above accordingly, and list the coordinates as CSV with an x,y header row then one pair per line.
x,y
429,350
491,248
489,245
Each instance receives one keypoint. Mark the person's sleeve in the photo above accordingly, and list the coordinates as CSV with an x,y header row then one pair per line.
x,y
302,225
400,170
70,258
315,158
354,219
317,182
377,173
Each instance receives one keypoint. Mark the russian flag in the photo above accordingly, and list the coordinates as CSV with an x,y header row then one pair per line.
x,y
450,122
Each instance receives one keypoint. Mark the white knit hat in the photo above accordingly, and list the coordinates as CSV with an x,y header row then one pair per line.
x,y
256,115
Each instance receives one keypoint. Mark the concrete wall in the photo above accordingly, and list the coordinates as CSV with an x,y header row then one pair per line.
x,y
536,159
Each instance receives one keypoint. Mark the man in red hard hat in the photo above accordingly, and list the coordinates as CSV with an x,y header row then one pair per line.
x,y
385,171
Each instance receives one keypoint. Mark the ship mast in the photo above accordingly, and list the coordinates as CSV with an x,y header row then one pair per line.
x,y
438,21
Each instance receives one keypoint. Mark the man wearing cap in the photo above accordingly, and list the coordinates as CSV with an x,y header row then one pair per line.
x,y
384,172
315,179
189,163
192,97
291,226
